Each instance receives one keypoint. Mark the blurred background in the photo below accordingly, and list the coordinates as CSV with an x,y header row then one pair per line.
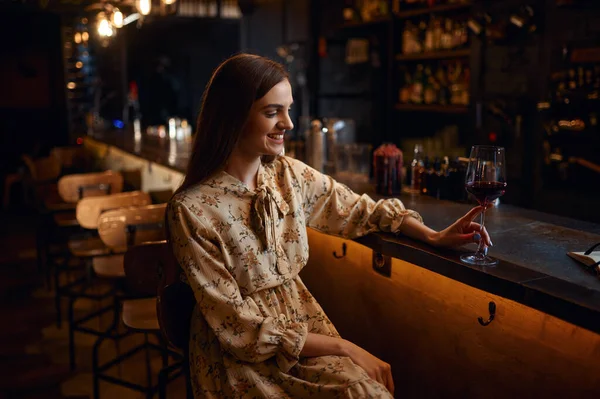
x,y
431,76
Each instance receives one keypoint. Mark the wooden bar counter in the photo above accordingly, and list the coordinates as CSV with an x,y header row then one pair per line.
x,y
418,307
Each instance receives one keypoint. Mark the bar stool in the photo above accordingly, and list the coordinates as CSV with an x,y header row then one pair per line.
x,y
144,267
121,229
175,304
58,215
72,159
96,256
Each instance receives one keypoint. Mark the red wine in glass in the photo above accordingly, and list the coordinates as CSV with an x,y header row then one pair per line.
x,y
486,191
486,181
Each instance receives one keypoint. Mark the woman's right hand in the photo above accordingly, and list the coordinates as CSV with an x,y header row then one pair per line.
x,y
376,368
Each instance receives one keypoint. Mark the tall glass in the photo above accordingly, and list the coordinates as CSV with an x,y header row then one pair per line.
x,y
486,181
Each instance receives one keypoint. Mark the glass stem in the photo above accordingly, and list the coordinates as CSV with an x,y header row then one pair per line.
x,y
481,248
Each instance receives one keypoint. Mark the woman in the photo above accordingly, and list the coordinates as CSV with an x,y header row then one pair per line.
x,y
238,229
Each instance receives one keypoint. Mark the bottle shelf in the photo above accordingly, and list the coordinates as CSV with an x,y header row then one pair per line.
x,y
446,109
431,10
364,24
434,55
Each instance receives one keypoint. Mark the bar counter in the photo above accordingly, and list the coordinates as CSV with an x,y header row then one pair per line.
x,y
534,268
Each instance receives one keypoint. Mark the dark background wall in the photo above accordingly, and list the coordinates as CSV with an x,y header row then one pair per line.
x,y
32,93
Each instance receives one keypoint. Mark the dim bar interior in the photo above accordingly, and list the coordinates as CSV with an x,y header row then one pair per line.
x,y
442,104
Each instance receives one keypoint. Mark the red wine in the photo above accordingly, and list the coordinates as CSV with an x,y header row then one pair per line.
x,y
486,191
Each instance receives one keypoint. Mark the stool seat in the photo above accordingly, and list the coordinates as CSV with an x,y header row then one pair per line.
x,y
88,247
140,314
109,266
65,219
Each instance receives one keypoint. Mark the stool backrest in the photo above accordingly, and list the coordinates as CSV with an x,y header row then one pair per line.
x,y
89,209
175,304
150,269
69,158
72,188
144,265
42,169
125,227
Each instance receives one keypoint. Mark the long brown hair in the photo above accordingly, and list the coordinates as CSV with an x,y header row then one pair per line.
x,y
226,102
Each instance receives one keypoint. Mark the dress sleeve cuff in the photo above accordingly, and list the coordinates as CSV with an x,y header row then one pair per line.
x,y
292,342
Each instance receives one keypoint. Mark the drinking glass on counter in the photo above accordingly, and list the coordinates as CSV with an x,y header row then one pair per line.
x,y
485,181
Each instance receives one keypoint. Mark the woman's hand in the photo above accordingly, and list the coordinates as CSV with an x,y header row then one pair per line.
x,y
461,232
377,369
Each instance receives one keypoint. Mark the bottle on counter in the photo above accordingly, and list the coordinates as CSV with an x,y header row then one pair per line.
x,y
387,166
417,166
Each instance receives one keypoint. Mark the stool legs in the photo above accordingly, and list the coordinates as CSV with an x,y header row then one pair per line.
x,y
71,333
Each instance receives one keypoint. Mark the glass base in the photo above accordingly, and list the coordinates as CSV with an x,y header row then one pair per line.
x,y
479,259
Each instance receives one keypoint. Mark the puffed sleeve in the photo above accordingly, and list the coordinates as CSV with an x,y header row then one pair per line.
x,y
237,321
333,208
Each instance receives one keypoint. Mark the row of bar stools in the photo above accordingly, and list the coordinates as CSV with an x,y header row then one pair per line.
x,y
61,226
96,256
72,190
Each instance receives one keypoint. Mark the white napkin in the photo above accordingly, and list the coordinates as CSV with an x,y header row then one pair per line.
x,y
588,260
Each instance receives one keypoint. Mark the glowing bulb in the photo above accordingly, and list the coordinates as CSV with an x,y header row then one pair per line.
x,y
144,6
77,37
117,18
71,85
168,2
85,36
79,64
104,28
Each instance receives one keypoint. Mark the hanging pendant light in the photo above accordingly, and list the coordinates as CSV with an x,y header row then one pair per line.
x,y
117,18
104,27
144,6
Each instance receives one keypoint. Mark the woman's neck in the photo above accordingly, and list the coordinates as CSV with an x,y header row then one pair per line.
x,y
244,168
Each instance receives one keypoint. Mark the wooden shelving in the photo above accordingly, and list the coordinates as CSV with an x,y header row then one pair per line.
x,y
434,55
445,109
430,10
362,24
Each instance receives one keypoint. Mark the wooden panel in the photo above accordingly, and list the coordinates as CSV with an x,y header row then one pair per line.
x,y
89,209
154,177
425,325
112,225
68,186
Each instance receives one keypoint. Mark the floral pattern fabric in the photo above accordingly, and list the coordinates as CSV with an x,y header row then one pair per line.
x,y
241,251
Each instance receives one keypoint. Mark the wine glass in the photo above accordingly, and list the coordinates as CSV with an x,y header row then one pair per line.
x,y
486,181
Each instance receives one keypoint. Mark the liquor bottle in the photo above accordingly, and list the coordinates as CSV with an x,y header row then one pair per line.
x,y
429,93
418,86
416,168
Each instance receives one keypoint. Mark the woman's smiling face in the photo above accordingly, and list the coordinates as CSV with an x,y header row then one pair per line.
x,y
267,122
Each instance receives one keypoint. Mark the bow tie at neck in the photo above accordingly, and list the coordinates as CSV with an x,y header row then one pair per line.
x,y
267,206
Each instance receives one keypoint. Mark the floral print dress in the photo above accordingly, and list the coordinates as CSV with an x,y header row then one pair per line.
x,y
241,251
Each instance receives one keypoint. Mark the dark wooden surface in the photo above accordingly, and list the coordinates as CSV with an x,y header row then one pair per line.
x,y
532,246
151,148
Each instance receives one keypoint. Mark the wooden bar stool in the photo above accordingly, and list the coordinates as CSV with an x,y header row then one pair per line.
x,y
72,159
98,259
144,265
60,219
121,229
94,190
175,304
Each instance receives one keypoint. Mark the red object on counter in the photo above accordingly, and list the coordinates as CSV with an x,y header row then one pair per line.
x,y
387,166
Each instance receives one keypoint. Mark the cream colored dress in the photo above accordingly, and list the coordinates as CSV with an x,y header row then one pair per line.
x,y
241,251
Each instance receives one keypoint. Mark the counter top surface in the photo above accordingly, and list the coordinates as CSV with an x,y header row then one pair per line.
x,y
532,246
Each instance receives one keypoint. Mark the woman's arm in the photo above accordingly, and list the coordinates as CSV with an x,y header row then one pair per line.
x,y
334,209
323,345
236,321
463,231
